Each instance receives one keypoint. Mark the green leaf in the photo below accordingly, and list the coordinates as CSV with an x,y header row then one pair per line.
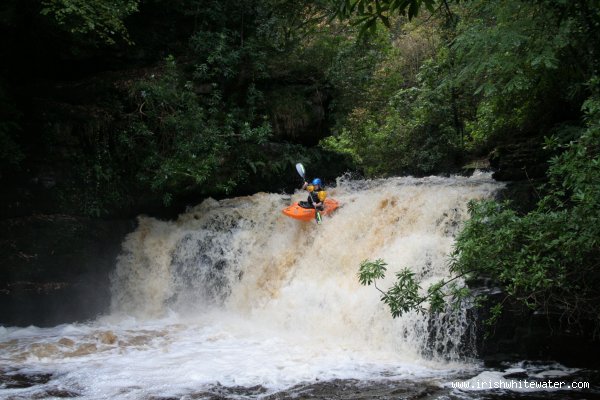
x,y
370,271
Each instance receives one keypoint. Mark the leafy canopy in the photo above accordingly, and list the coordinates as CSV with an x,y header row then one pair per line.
x,y
509,69
368,12
99,19
547,258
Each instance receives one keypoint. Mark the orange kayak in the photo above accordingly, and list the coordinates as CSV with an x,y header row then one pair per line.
x,y
308,214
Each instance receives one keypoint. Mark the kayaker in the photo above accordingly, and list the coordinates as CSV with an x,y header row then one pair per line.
x,y
316,195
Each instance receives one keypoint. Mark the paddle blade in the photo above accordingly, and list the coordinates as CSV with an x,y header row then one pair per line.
x,y
300,169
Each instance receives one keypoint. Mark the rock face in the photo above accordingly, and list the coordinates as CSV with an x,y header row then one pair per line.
x,y
56,268
298,112
522,334
520,159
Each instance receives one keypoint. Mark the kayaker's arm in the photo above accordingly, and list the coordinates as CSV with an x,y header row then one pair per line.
x,y
317,204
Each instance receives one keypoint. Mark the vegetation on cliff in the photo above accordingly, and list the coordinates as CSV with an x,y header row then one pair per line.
x,y
114,107
513,70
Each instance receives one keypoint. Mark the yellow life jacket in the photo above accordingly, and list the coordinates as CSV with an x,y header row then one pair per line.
x,y
322,195
310,188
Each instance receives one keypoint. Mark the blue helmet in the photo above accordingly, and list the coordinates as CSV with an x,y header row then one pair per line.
x,y
316,182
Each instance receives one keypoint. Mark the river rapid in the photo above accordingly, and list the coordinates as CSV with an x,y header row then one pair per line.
x,y
235,300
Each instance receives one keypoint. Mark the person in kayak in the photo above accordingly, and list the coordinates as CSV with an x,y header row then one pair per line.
x,y
316,195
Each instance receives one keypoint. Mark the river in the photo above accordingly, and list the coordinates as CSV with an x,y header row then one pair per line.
x,y
235,300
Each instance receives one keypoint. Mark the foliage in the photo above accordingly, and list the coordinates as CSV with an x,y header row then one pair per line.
x,y
522,80
199,127
101,19
500,77
203,126
370,271
493,76
182,142
413,133
100,185
194,125
547,259
435,81
405,294
369,12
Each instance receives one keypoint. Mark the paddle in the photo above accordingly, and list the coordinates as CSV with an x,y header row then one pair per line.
x,y
300,169
302,172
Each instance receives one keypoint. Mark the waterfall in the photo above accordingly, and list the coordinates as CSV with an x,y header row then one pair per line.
x,y
234,299
241,258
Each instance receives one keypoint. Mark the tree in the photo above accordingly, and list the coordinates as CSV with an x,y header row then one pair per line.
x,y
519,82
368,12
181,142
99,19
406,293
546,259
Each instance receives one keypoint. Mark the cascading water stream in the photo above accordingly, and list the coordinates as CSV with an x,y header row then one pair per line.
x,y
236,294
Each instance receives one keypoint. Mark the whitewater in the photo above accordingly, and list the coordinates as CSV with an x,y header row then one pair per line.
x,y
236,299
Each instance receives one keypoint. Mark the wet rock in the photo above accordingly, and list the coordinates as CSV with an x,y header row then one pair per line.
x,y
516,375
521,334
22,381
519,159
346,389
61,394
55,268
